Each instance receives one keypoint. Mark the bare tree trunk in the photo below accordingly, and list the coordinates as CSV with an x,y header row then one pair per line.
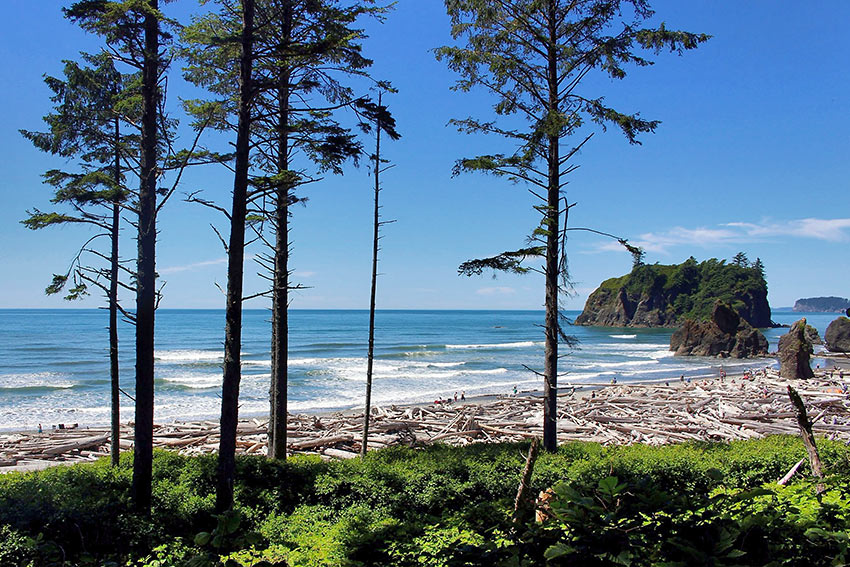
x,y
376,225
146,271
550,368
280,278
115,447
235,259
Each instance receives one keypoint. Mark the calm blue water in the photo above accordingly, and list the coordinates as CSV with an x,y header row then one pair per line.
x,y
54,363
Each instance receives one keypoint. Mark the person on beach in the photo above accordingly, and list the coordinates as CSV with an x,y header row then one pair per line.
x,y
463,396
514,390
455,396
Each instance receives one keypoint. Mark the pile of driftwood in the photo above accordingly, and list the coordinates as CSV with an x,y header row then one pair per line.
x,y
655,413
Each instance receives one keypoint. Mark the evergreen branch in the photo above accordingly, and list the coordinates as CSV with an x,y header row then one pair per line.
x,y
505,262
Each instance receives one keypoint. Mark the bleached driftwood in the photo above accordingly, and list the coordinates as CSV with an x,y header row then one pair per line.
x,y
652,413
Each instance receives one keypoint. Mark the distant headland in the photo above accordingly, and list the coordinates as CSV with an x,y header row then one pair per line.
x,y
822,305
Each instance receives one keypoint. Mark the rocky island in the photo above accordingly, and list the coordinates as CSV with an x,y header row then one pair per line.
x,y
822,305
667,295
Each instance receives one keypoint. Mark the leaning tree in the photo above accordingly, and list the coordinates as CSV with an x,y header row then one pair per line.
x,y
534,56
382,123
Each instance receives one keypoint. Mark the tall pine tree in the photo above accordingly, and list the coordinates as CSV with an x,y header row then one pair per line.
x,y
533,56
93,104
136,34
303,50
382,122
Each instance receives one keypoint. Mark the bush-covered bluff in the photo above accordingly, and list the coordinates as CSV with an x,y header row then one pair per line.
x,y
665,295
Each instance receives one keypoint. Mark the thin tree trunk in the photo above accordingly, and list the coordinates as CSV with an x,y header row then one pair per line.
x,y
280,278
550,368
370,357
113,310
146,272
235,258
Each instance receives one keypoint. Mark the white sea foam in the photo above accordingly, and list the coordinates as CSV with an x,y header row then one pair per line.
x,y
623,336
518,344
195,380
35,380
189,356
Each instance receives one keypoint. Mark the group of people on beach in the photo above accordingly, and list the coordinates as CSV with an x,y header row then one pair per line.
x,y
440,401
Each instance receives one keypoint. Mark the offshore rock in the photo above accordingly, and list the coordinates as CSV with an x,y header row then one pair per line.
x,y
795,351
837,336
726,335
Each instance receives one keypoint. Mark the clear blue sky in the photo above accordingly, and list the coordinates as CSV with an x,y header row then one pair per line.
x,y
753,155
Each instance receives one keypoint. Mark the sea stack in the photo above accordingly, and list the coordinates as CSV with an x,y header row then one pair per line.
x,y
726,335
795,350
837,336
666,296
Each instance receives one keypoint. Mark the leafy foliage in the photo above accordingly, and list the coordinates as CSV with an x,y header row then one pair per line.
x,y
688,504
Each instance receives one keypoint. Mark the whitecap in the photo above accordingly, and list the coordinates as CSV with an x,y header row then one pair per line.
x,y
189,356
519,344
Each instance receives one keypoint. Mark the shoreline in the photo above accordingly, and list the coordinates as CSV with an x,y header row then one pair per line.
x,y
655,411
840,361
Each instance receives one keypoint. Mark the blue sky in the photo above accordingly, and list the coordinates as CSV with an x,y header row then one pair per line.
x,y
753,155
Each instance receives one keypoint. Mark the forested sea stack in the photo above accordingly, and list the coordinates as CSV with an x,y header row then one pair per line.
x,y
665,296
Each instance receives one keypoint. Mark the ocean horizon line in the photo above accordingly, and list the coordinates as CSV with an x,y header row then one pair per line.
x,y
390,309
351,309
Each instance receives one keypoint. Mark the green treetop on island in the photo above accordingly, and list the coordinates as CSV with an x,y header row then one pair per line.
x,y
665,295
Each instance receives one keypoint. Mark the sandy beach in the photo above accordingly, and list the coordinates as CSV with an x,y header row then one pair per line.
x,y
654,412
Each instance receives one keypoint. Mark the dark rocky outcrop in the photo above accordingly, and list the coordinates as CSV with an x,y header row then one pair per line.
x,y
725,335
837,336
813,336
795,351
665,296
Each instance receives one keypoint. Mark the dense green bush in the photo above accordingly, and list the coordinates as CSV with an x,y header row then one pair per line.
x,y
688,504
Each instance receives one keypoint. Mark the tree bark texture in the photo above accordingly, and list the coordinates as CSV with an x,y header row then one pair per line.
x,y
520,502
280,279
806,432
235,260
115,447
146,271
552,271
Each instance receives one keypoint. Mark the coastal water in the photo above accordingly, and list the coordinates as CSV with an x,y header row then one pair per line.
x,y
54,363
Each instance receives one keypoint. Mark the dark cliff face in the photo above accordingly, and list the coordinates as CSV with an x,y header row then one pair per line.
x,y
664,296
726,335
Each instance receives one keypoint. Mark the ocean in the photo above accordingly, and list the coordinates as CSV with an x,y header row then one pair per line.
x,y
54,363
